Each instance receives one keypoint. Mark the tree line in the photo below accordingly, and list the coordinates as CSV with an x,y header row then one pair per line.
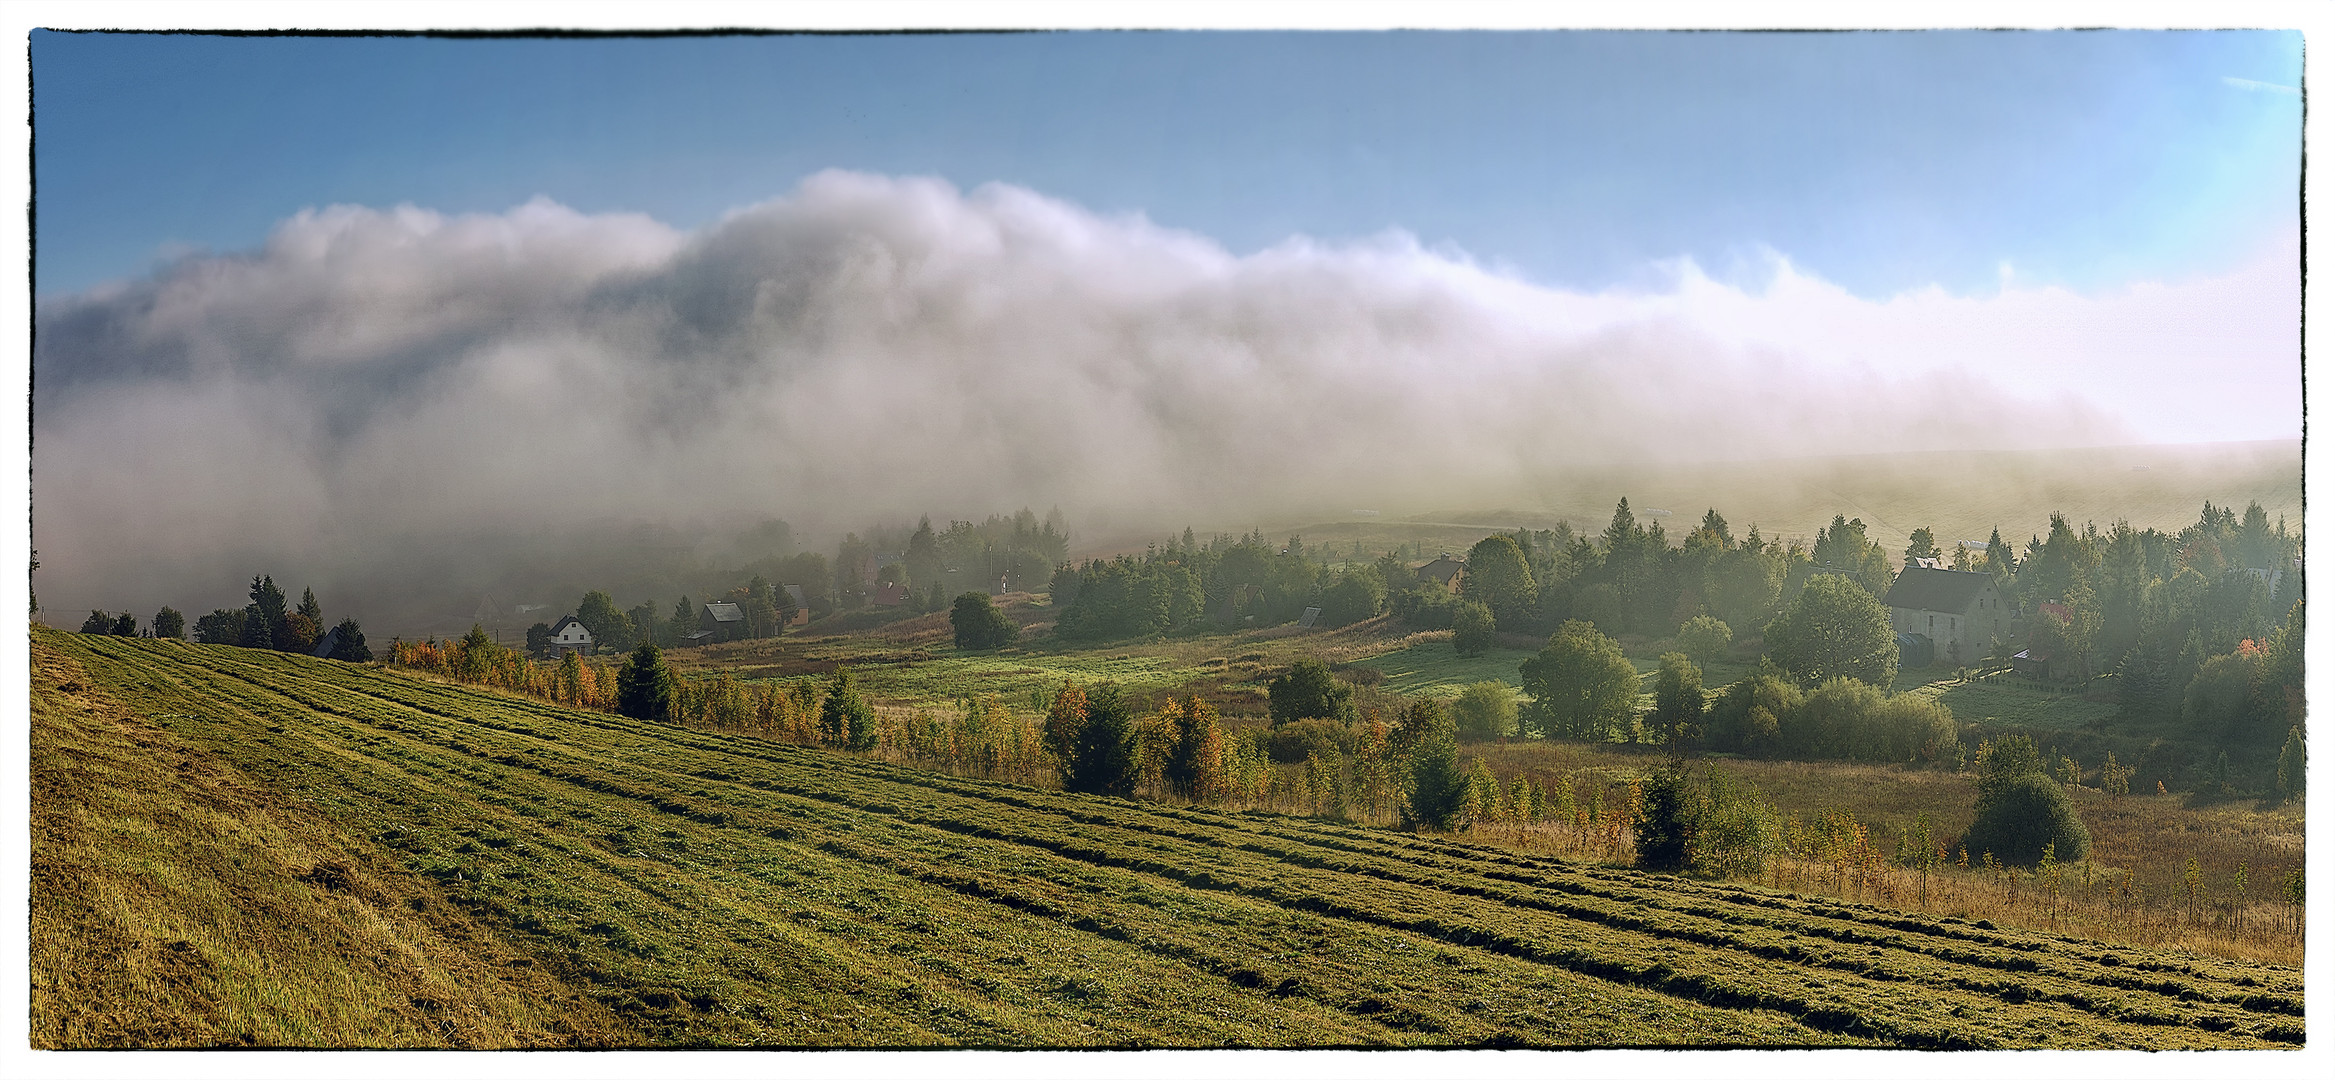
x,y
268,622
765,609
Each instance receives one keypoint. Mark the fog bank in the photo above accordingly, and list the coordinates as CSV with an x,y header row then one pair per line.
x,y
388,402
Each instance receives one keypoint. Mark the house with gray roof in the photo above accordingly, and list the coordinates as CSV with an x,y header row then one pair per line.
x,y
1959,612
719,622
1445,571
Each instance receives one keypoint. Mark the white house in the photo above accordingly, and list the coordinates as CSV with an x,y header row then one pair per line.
x,y
570,636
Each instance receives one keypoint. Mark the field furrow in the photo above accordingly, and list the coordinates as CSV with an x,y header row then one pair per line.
x,y
722,889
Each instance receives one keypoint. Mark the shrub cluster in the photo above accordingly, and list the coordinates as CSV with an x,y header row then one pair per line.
x,y
1843,719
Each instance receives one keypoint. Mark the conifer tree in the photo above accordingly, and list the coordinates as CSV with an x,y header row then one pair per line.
x,y
1438,787
350,645
1102,754
258,631
1666,822
644,686
2291,764
845,720
1923,544
268,600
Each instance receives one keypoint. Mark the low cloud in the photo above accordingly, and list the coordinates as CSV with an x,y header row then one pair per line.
x,y
373,385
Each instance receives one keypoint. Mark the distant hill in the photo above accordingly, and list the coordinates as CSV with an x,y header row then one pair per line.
x,y
1960,496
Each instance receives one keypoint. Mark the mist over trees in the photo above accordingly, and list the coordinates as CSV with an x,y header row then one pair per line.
x,y
710,374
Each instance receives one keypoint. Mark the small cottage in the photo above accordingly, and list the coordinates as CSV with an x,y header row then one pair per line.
x,y
569,635
720,622
1445,571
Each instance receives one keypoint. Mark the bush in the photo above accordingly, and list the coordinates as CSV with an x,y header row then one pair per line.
x,y
1704,639
1485,710
1737,830
1425,605
1852,720
2213,699
1306,691
2019,815
1917,728
1748,717
1472,628
1357,595
978,623
1298,740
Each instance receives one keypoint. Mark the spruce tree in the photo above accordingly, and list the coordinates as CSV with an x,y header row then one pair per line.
x,y
1666,824
350,645
268,600
258,631
1438,787
2291,764
1102,753
845,720
644,687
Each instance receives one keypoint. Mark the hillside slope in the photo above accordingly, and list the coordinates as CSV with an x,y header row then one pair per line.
x,y
176,901
716,890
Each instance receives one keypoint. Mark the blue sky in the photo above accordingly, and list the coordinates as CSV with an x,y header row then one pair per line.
x,y
1882,162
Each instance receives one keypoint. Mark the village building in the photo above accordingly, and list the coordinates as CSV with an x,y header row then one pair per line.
x,y
1959,613
569,636
802,604
720,621
1445,571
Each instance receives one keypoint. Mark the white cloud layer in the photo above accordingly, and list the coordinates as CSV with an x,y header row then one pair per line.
x,y
374,384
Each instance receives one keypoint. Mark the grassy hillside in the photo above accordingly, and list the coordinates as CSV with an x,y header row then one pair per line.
x,y
178,901
711,890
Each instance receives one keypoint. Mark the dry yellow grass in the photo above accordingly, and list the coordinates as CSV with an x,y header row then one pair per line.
x,y
176,904
2130,890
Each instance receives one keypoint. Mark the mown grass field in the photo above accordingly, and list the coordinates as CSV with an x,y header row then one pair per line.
x,y
662,886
